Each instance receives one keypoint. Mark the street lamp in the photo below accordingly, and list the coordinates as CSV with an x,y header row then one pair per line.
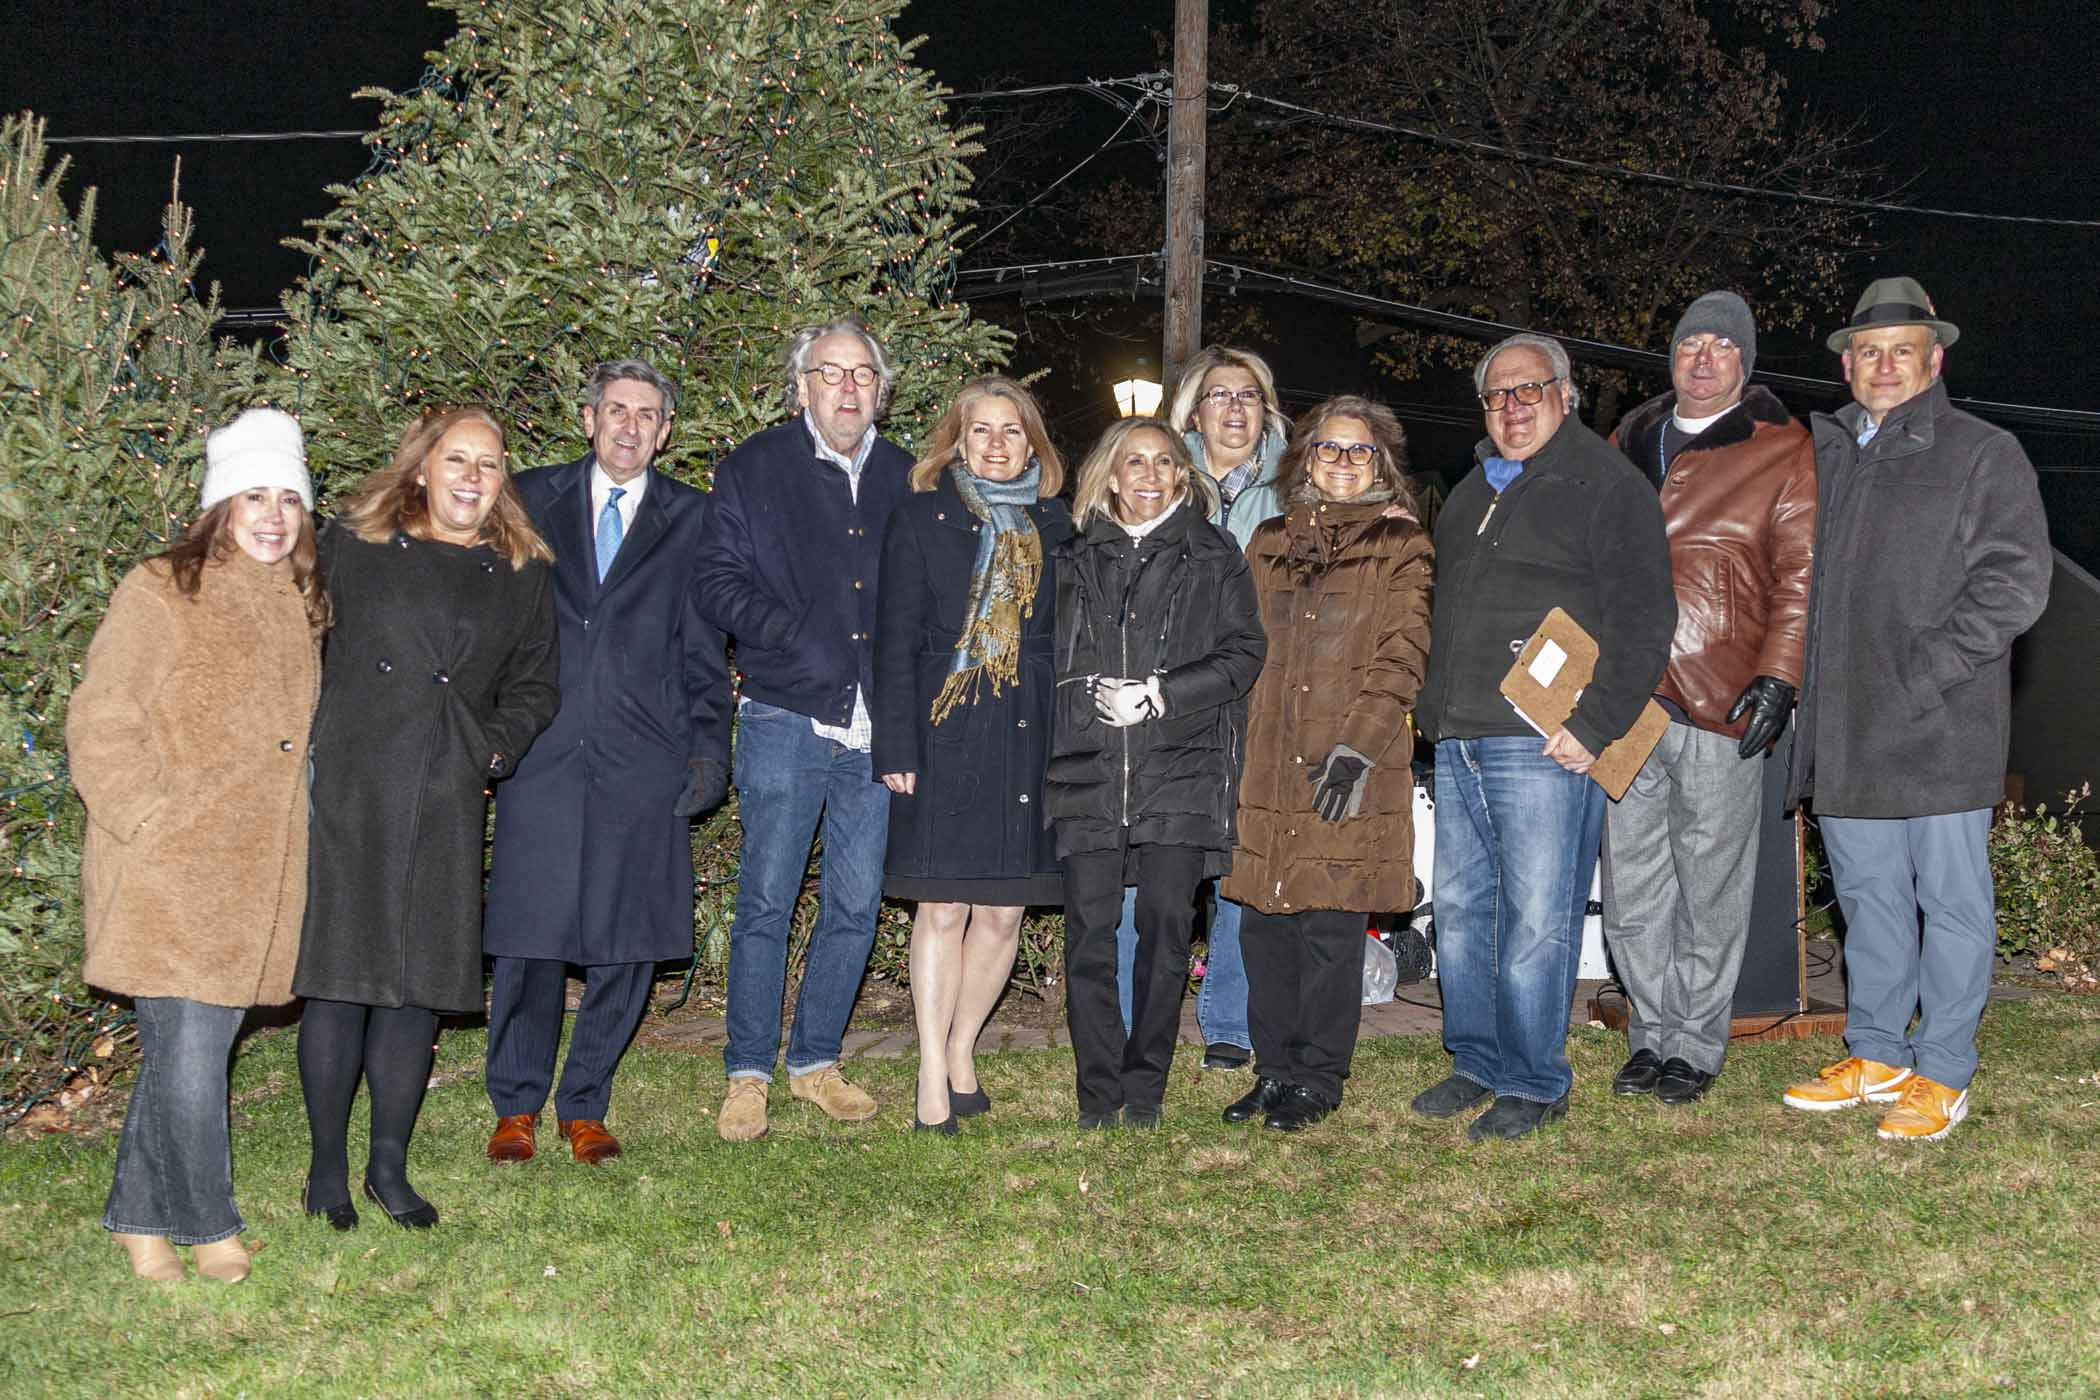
x,y
1137,398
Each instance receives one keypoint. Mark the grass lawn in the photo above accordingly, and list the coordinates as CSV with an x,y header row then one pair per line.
x,y
1731,1248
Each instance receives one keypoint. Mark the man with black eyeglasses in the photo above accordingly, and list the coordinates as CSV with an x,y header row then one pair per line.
x,y
1551,516
788,564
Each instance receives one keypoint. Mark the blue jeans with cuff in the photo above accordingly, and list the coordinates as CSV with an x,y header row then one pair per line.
x,y
175,1160
1517,837
788,777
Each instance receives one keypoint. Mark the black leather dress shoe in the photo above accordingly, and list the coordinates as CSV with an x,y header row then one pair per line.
x,y
1100,1122
1143,1116
1638,1075
1301,1108
1260,1100
1449,1097
1680,1083
1512,1117
1223,1054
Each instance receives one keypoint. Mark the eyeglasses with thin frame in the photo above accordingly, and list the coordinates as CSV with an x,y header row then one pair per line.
x,y
1719,346
1226,398
863,375
1531,391
1360,454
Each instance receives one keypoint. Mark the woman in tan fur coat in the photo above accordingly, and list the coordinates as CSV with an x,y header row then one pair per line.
x,y
187,738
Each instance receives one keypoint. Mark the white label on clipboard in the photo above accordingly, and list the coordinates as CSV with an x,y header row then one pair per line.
x,y
1546,665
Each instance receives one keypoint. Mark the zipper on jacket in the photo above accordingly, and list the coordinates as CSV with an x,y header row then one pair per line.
x,y
1123,670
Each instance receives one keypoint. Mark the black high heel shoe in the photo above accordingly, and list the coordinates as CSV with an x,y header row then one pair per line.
x,y
968,1105
341,1217
422,1216
948,1127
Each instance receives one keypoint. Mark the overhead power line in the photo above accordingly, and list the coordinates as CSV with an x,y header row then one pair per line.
x,y
1648,177
204,138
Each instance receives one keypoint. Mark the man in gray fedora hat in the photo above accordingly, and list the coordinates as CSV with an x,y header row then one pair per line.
x,y
1932,555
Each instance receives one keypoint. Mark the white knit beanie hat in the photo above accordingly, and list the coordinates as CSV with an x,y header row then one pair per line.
x,y
262,447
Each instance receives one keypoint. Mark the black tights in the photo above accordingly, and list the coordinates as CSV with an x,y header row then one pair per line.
x,y
391,1048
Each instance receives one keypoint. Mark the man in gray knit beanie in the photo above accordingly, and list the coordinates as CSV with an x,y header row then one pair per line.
x,y
1737,476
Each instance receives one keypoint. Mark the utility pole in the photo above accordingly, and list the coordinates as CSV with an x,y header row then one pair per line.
x,y
1186,123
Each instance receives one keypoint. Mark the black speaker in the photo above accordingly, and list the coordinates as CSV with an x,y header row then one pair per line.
x,y
1770,982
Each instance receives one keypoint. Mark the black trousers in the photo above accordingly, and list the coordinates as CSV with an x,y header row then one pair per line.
x,y
525,1014
1305,991
1117,1069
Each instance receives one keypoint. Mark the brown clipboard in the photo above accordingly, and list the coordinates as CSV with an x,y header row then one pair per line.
x,y
1546,681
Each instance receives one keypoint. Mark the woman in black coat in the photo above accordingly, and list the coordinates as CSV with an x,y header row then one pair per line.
x,y
1159,639
441,668
961,716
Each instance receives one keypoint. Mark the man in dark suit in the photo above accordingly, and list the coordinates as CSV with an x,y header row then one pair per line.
x,y
593,863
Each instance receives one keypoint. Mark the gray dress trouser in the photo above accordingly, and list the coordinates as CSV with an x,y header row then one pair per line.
x,y
1887,873
1680,866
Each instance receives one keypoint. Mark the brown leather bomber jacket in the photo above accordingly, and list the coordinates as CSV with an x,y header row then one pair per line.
x,y
1739,505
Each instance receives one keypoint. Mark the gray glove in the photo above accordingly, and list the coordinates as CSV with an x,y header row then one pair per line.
x,y
1340,782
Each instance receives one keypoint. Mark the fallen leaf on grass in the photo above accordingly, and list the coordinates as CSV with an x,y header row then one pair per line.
x,y
1470,1362
44,1118
550,1272
1668,1329
722,1228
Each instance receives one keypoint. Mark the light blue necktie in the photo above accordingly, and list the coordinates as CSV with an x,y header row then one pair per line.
x,y
609,531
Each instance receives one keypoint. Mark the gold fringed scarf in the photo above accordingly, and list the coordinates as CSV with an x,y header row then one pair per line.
x,y
1002,588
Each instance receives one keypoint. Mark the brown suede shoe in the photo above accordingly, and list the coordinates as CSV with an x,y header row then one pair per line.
x,y
829,1090
152,1257
514,1138
589,1141
743,1116
225,1261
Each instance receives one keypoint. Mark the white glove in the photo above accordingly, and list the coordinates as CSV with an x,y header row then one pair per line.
x,y
1122,703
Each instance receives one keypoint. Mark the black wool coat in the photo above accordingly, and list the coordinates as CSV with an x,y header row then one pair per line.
x,y
977,811
440,657
1932,555
1179,604
591,864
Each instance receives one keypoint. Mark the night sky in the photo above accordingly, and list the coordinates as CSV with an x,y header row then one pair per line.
x,y
1977,106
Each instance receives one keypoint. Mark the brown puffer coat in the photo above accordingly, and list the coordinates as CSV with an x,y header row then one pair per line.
x,y
187,738
1345,598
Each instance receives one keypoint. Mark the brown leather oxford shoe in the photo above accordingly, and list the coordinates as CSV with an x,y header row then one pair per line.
x,y
589,1141
513,1139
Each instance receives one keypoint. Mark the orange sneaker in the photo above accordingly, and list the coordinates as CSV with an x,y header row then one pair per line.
x,y
1927,1111
1847,1084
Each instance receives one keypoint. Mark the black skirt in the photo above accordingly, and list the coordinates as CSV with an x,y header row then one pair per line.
x,y
1047,890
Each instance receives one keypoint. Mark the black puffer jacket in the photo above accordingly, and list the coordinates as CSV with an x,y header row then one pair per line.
x,y
1178,604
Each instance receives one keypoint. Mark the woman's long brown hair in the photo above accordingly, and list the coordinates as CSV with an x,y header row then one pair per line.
x,y
210,537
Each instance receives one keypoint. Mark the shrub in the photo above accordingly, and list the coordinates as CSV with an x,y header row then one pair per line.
x,y
2048,890
110,380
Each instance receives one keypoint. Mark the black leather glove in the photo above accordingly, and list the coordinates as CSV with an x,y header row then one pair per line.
x,y
1767,699
704,789
1340,781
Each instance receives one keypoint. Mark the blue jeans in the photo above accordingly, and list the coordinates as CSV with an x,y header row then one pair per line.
x,y
786,777
1516,845
175,1162
1887,872
1221,997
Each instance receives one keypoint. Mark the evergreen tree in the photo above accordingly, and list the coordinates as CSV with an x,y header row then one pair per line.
x,y
579,180
110,381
